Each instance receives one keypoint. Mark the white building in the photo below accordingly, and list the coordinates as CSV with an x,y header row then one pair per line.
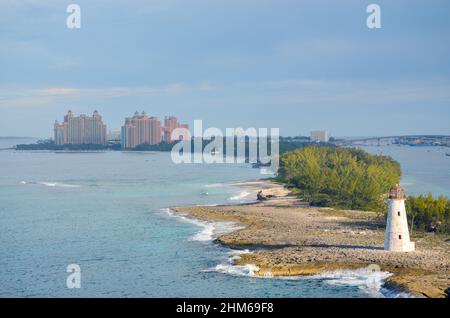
x,y
319,136
397,234
113,135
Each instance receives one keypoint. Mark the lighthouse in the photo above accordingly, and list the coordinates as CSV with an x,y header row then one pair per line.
x,y
397,234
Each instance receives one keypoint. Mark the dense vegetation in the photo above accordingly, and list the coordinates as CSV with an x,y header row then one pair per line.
x,y
427,213
50,145
285,144
340,177
163,146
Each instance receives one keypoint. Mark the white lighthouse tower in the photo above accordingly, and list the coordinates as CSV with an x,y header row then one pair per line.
x,y
397,234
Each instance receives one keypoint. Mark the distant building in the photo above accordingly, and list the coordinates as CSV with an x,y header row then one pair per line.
x,y
136,131
319,136
143,130
113,135
155,130
80,130
128,136
170,124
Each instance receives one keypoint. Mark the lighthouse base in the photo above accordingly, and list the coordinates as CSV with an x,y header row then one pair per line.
x,y
396,246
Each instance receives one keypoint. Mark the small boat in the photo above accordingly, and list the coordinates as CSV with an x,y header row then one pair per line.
x,y
447,154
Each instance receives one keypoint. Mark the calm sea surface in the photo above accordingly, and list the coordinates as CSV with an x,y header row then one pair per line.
x,y
425,169
107,212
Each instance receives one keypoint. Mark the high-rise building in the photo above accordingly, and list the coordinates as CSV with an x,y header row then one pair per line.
x,y
319,136
80,130
129,134
155,130
170,124
136,130
60,133
143,130
113,135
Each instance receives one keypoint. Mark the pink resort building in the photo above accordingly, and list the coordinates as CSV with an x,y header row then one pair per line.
x,y
144,130
80,130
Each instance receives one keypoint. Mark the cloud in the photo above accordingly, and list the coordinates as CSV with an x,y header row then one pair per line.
x,y
317,92
34,97
55,91
290,92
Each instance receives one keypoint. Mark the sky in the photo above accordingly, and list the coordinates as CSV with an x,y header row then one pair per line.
x,y
293,65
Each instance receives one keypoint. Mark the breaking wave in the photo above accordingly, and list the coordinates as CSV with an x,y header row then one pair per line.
x,y
242,195
209,230
236,270
58,184
368,281
214,185
52,184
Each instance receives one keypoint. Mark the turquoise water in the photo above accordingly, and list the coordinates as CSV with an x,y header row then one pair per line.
x,y
107,212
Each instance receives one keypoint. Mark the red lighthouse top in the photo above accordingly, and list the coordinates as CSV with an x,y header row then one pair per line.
x,y
397,193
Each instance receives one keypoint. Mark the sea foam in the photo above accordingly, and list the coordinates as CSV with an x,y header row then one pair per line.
x,y
368,281
58,184
237,270
240,196
209,230
52,184
214,185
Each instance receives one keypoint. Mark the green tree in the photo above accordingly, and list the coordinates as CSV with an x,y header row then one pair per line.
x,y
339,177
427,213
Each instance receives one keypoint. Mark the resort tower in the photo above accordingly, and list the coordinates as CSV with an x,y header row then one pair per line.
x,y
397,234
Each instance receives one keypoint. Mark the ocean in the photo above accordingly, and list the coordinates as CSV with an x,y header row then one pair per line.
x,y
109,212
425,169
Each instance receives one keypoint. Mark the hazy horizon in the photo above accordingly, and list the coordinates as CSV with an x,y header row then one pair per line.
x,y
294,65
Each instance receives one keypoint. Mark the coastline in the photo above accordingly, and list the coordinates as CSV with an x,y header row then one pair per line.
x,y
288,238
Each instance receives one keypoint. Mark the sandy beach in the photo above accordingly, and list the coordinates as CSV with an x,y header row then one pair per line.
x,y
289,238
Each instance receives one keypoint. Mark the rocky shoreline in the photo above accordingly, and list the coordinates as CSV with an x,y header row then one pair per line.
x,y
289,238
